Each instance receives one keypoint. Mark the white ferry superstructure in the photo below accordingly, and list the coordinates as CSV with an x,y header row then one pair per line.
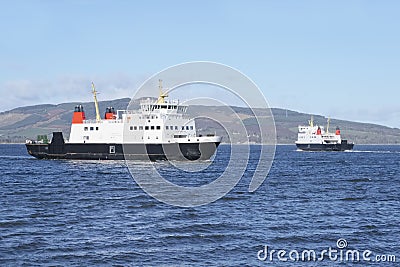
x,y
315,138
159,130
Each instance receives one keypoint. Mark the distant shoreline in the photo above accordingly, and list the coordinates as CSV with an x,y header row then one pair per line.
x,y
253,144
28,122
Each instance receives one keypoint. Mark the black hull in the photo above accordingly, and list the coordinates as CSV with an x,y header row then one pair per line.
x,y
176,151
326,147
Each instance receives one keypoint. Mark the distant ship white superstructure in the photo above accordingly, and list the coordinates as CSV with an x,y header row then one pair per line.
x,y
315,138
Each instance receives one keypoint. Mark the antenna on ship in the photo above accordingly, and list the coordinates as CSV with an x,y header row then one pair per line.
x,y
96,103
162,96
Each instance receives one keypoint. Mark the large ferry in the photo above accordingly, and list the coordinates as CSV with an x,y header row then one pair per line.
x,y
159,130
315,138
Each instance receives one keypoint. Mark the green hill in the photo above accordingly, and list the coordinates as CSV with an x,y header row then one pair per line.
x,y
23,123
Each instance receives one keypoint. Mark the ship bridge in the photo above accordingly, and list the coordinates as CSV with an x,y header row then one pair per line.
x,y
162,106
166,107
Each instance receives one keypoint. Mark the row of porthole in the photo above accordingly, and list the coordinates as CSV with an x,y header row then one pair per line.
x,y
140,128
91,128
148,117
176,127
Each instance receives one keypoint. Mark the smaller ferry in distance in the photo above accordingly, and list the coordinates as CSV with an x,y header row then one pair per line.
x,y
315,138
159,130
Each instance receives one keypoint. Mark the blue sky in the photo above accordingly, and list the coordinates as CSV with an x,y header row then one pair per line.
x,y
335,58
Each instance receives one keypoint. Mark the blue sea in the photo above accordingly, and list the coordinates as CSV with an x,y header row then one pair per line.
x,y
92,213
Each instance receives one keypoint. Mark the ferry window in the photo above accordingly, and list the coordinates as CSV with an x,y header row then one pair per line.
x,y
183,127
175,107
176,127
156,137
171,127
131,128
91,128
164,107
179,136
148,121
191,127
158,127
169,107
152,127
135,128
187,127
141,128
112,149
146,127
166,127
152,117
97,128
85,129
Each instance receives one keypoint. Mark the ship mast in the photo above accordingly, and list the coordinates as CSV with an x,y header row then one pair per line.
x,y
311,122
96,103
327,126
162,96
